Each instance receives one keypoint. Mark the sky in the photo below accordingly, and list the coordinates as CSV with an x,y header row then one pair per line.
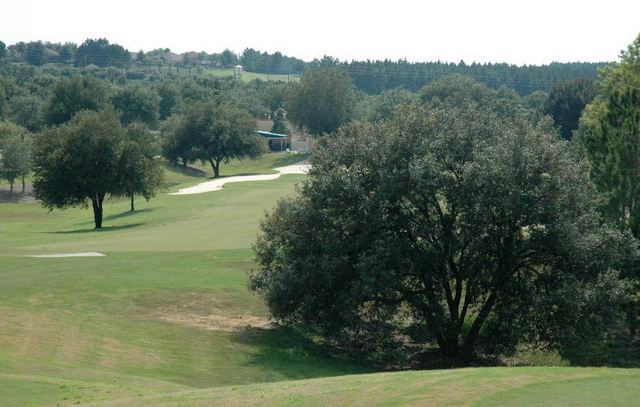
x,y
517,31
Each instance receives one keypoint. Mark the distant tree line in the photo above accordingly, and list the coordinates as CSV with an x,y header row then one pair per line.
x,y
276,63
377,76
371,77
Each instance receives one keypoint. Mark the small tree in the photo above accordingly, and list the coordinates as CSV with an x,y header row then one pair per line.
x,y
69,96
35,54
177,147
280,122
137,104
27,112
139,169
79,162
169,99
218,133
322,101
389,101
15,159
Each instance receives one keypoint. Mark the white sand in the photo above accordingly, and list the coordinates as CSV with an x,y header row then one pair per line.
x,y
217,184
86,254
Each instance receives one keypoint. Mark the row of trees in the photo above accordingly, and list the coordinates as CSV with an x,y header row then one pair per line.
x,y
276,63
97,144
372,77
377,76
98,52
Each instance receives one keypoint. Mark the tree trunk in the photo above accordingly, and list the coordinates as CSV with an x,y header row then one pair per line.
x,y
449,345
470,341
215,164
23,185
96,203
11,188
132,208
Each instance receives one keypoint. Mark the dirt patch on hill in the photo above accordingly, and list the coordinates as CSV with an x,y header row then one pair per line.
x,y
211,312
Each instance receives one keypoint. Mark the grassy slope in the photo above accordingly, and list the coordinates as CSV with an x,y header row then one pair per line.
x,y
458,387
91,329
98,319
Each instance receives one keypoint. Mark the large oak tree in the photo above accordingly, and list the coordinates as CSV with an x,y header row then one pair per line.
x,y
454,226
83,161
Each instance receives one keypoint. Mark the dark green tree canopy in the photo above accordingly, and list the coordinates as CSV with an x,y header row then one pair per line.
x,y
455,90
322,101
176,144
35,53
456,227
137,104
609,136
566,102
140,169
280,122
69,96
28,112
386,103
169,100
101,53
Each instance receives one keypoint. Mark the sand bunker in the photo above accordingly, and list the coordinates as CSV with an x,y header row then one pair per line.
x,y
217,184
85,254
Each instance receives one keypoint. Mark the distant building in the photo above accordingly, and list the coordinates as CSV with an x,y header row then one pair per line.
x,y
277,141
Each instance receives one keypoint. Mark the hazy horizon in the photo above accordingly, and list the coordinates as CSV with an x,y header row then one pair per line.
x,y
494,31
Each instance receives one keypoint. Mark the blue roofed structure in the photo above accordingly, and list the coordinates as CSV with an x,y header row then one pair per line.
x,y
272,137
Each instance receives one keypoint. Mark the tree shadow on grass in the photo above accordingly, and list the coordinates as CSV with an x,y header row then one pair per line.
x,y
188,170
127,214
16,197
295,356
104,229
242,174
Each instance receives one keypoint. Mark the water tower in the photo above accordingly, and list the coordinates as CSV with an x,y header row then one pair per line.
x,y
237,71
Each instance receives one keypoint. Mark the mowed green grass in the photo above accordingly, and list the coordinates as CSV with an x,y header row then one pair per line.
x,y
166,317
502,386
249,76
139,320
